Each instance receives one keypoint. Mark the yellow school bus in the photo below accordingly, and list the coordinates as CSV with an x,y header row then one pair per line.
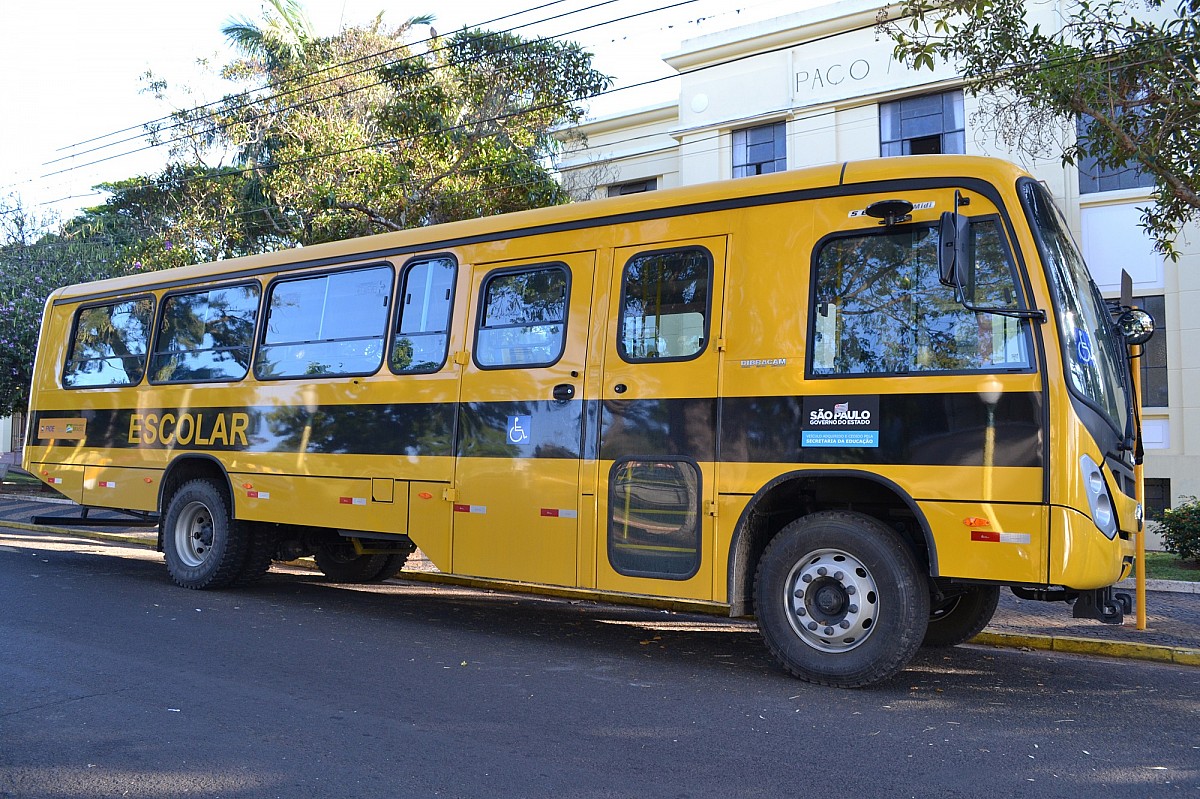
x,y
853,401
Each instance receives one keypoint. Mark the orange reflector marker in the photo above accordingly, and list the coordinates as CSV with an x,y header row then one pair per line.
x,y
148,479
425,495
975,521
247,485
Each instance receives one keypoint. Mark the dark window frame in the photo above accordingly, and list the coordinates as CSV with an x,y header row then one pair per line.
x,y
397,311
904,143
481,313
1159,372
160,318
114,301
288,277
708,294
697,508
750,168
632,187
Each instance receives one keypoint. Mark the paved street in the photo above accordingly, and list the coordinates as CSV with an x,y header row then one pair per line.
x,y
116,683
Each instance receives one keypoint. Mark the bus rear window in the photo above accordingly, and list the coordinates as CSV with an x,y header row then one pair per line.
x,y
206,335
109,345
325,325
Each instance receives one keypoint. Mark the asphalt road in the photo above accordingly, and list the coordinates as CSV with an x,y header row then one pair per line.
x,y
113,682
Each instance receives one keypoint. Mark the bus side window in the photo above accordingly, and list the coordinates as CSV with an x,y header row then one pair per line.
x,y
109,345
206,335
880,308
423,326
523,317
664,305
325,325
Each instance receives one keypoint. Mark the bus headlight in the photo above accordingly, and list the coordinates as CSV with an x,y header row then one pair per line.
x,y
1096,488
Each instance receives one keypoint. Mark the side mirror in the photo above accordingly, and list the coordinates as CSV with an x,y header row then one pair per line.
x,y
1137,326
953,258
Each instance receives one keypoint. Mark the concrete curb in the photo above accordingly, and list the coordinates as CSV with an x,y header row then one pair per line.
x,y
74,532
1092,646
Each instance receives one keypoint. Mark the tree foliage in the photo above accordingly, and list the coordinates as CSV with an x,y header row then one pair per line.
x,y
1133,75
362,132
34,262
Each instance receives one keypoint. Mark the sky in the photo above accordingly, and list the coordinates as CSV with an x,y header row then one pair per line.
x,y
71,70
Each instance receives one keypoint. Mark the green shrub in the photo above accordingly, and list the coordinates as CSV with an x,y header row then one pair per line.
x,y
1181,529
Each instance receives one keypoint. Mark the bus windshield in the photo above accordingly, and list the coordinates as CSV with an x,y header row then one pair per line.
x,y
1091,352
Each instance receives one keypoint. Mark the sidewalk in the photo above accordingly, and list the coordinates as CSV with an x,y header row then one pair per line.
x,y
1173,609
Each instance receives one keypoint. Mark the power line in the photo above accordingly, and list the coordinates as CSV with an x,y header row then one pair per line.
x,y
335,95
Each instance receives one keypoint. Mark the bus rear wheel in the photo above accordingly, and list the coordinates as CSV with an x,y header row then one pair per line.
x,y
960,618
342,564
840,599
203,545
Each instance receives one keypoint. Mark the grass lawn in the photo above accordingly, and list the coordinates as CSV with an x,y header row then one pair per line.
x,y
1165,566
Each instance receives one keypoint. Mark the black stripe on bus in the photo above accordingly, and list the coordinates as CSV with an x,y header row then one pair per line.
x,y
913,429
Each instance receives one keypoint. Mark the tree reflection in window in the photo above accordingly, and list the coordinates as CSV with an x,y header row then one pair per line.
x,y
664,303
206,335
523,318
109,345
423,332
331,324
881,308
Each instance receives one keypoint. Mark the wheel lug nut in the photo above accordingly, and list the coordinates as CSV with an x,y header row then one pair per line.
x,y
853,609
839,576
801,612
851,590
822,571
845,625
829,631
812,625
807,578
799,593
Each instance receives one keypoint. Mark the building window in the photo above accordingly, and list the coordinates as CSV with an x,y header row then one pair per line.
x,y
760,150
1094,178
1158,496
1154,354
925,125
633,187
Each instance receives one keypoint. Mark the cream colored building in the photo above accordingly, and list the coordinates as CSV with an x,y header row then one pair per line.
x,y
821,87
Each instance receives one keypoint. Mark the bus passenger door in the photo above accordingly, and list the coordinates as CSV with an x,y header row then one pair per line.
x,y
658,419
521,416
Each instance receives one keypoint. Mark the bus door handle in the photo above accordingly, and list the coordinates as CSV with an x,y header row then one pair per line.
x,y
564,392
620,388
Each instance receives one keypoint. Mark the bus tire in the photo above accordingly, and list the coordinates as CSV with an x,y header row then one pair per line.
x,y
204,546
391,567
260,551
341,564
841,600
960,618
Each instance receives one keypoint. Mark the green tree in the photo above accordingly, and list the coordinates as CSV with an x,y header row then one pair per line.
x,y
33,262
1133,80
362,132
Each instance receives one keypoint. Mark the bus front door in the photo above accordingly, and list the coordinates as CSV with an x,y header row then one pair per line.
x,y
658,419
521,418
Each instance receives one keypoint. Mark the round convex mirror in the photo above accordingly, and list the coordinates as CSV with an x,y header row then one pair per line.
x,y
1137,326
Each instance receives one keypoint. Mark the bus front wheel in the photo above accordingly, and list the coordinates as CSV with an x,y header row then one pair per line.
x,y
840,599
203,545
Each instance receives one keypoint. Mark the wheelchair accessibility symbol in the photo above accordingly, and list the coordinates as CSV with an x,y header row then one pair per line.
x,y
519,428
